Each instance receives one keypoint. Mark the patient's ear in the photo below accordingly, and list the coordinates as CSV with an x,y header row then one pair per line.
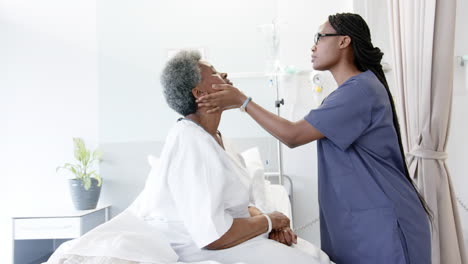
x,y
197,92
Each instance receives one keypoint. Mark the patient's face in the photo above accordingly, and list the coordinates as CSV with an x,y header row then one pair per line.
x,y
210,76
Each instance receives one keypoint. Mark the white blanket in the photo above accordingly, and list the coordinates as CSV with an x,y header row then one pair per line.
x,y
125,239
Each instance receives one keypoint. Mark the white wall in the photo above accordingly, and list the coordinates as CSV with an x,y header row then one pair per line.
x,y
134,40
457,147
375,12
133,44
48,94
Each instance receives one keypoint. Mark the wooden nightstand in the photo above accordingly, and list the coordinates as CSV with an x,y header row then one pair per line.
x,y
37,234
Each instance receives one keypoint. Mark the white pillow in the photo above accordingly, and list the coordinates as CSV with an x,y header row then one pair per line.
x,y
140,205
252,158
254,165
153,162
278,198
125,237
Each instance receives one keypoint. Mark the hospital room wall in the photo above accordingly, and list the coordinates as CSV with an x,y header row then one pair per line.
x,y
133,45
457,146
48,94
135,41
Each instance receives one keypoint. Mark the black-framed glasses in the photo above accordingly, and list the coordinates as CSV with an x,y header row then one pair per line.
x,y
319,35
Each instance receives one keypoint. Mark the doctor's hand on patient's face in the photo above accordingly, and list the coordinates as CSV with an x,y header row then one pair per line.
x,y
285,236
226,97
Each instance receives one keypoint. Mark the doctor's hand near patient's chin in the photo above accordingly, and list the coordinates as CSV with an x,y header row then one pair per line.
x,y
225,97
285,236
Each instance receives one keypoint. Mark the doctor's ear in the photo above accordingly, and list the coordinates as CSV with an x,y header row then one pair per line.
x,y
345,41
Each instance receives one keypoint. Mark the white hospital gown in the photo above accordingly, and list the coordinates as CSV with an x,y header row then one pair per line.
x,y
198,192
190,200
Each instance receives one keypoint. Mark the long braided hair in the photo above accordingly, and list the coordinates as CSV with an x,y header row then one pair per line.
x,y
368,57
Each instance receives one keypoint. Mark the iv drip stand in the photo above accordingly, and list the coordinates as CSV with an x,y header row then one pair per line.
x,y
278,101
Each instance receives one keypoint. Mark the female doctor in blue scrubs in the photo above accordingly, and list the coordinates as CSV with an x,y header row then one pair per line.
x,y
370,211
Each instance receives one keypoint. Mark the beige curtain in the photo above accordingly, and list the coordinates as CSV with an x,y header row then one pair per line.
x,y
422,36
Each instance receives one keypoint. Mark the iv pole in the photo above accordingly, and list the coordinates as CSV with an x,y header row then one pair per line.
x,y
278,101
274,83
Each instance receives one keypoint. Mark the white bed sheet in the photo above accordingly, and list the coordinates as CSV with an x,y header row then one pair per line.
x,y
75,259
123,235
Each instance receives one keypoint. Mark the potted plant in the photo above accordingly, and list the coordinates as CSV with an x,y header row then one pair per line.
x,y
85,188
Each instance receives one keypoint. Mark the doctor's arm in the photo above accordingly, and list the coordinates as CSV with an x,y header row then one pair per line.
x,y
292,134
243,229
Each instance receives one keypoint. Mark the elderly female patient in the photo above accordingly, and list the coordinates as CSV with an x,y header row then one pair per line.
x,y
202,197
198,198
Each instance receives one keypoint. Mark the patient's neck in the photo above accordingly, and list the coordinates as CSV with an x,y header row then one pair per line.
x,y
209,122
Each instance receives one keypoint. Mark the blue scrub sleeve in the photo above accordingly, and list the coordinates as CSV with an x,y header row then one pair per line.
x,y
344,115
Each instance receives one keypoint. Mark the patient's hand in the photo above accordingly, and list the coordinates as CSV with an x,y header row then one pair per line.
x,y
285,236
279,220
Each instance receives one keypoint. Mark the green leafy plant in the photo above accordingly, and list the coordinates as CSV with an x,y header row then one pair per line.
x,y
86,161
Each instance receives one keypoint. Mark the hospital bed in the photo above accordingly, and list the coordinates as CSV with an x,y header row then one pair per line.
x,y
277,197
160,250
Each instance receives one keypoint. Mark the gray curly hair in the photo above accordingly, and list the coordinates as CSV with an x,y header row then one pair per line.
x,y
180,75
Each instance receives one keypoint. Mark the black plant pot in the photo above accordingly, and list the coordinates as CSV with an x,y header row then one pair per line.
x,y
84,199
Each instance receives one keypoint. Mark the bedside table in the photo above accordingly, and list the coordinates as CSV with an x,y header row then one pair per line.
x,y
36,235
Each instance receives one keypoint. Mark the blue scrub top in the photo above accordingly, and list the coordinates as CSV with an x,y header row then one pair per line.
x,y
369,211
